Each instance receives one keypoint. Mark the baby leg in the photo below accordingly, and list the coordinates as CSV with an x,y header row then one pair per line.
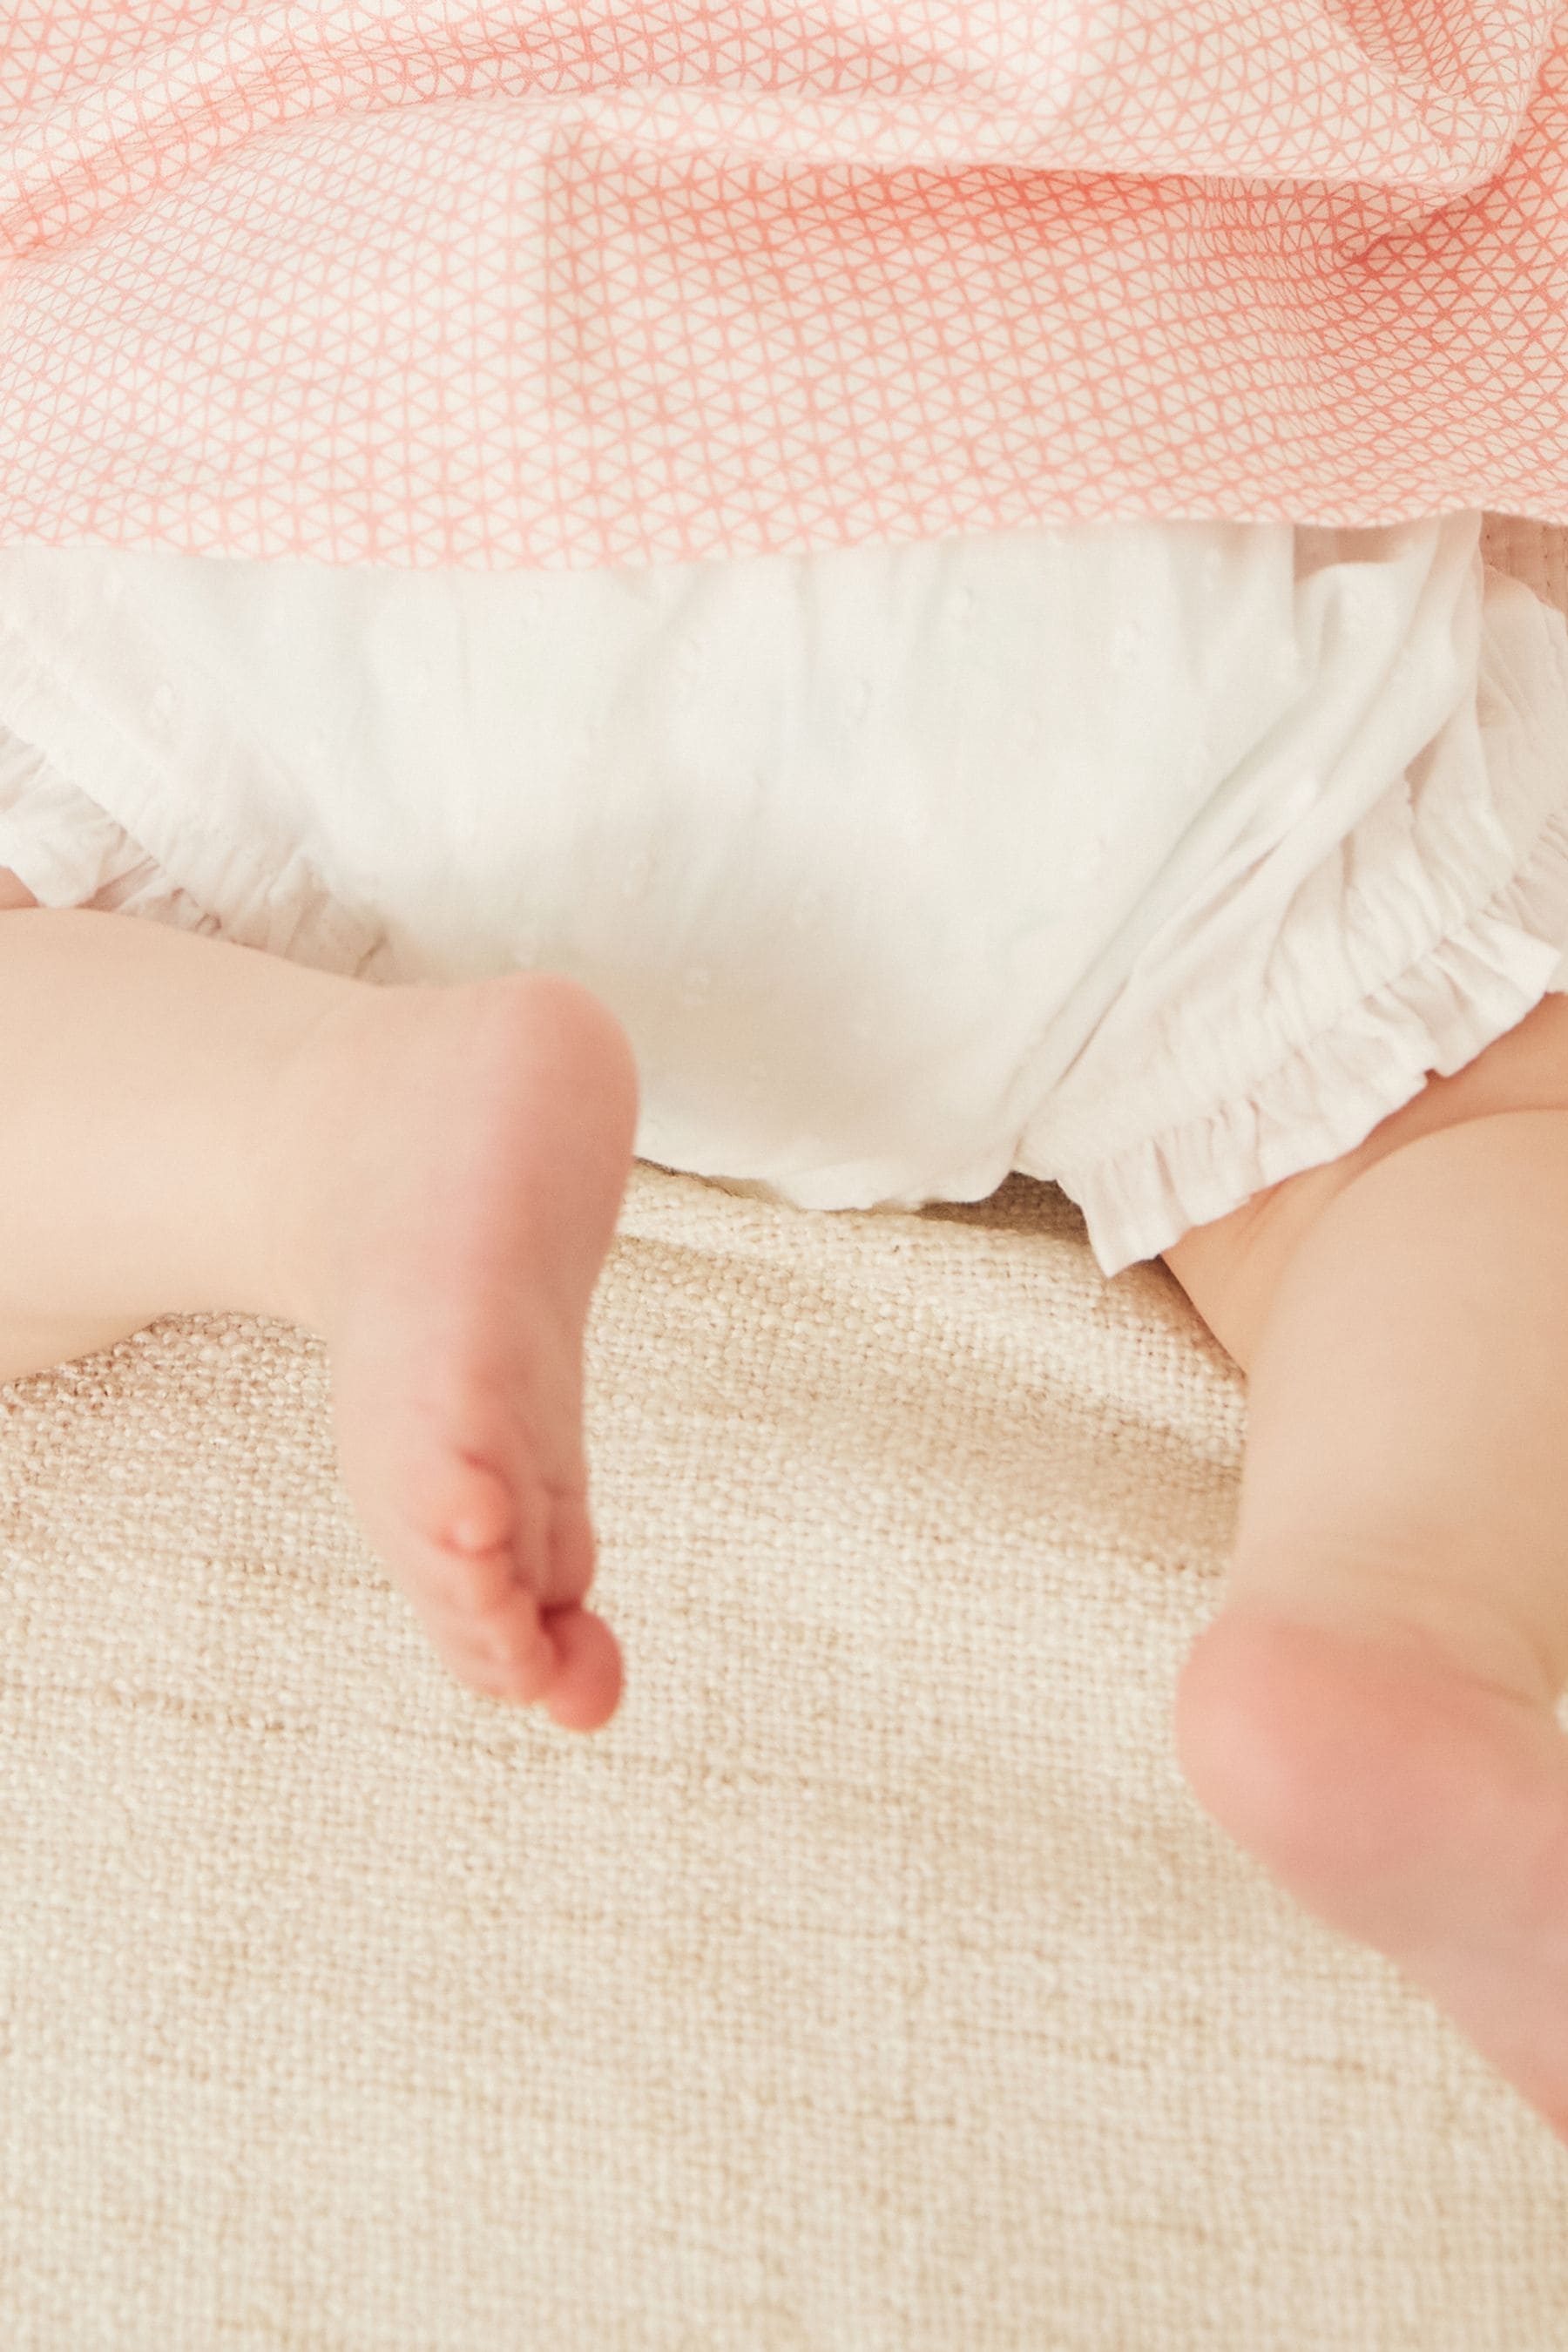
x,y
428,1177
1372,1714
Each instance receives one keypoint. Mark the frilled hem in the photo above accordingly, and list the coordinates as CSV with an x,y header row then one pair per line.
x,y
69,848
1326,1097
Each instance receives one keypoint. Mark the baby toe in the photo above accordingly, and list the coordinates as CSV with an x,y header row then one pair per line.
x,y
501,1650
462,1501
571,1549
589,1675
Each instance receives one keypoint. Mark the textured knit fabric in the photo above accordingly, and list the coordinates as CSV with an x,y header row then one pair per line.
x,y
431,282
872,1983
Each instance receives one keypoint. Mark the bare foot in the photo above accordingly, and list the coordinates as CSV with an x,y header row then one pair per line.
x,y
1410,1803
455,1161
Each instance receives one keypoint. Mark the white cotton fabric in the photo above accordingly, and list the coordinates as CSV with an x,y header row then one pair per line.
x,y
1161,860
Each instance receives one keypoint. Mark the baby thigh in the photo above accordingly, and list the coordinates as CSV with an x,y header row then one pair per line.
x,y
1402,1319
1373,1714
12,892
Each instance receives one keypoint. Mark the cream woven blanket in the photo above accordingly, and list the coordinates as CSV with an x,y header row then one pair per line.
x,y
871,1984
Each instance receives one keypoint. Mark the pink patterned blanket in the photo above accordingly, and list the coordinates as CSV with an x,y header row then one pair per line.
x,y
587,282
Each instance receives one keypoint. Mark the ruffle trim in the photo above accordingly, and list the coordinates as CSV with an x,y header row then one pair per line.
x,y
1326,1097
69,852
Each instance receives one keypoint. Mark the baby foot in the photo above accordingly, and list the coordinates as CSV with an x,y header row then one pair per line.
x,y
1413,1804
465,1153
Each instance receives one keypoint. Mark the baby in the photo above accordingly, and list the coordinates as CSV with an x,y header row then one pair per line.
x,y
467,290
429,1176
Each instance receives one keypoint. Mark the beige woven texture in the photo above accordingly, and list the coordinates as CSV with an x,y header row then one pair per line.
x,y
873,1983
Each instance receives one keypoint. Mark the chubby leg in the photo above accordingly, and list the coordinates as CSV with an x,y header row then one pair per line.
x,y
1372,1714
428,1177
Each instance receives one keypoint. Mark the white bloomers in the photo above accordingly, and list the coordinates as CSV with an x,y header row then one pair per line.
x,y
1162,860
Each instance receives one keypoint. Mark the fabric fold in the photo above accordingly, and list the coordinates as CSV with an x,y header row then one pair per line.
x,y
1327,1095
69,852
